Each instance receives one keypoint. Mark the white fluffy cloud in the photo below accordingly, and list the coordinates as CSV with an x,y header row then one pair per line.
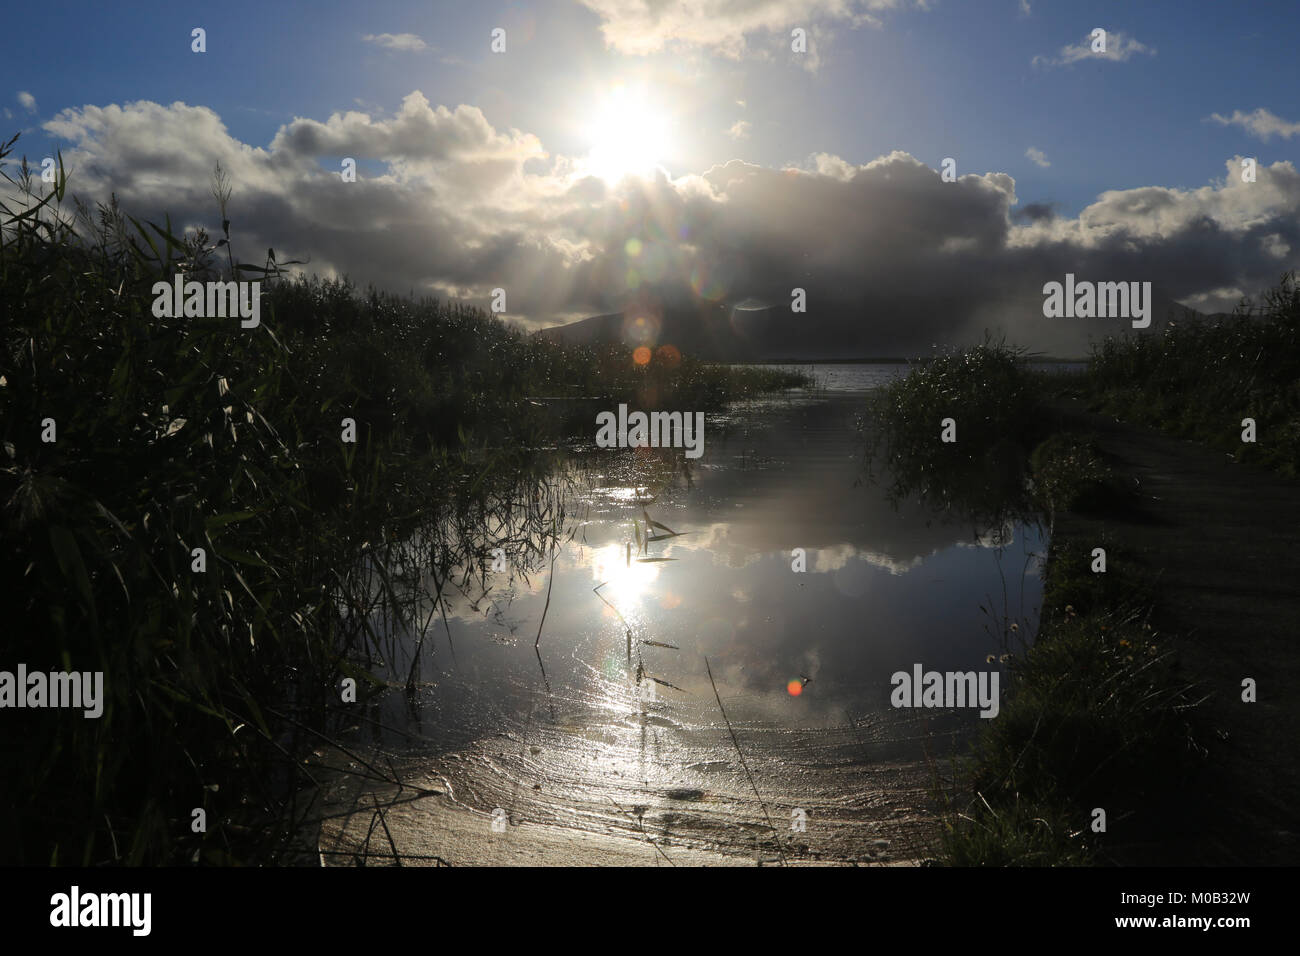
x,y
1037,157
891,257
1260,123
396,41
27,100
418,133
722,26
1120,47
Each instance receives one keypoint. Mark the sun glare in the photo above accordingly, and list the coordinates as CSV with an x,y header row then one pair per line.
x,y
629,136
626,579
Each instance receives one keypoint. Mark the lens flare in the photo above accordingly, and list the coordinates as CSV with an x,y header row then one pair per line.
x,y
641,323
668,355
706,284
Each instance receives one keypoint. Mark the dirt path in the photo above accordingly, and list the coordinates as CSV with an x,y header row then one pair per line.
x,y
1226,541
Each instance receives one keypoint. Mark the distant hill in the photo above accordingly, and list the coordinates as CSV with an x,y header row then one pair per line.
x,y
718,331
703,331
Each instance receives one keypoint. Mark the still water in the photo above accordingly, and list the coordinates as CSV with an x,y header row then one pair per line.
x,y
581,762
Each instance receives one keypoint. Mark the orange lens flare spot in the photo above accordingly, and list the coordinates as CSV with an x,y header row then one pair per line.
x,y
794,688
668,355
641,356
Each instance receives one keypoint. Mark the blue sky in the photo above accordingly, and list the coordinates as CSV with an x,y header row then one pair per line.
x,y
982,81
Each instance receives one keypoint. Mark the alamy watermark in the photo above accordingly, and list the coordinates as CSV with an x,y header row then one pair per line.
x,y
76,908
1100,300
656,430
55,689
220,300
946,689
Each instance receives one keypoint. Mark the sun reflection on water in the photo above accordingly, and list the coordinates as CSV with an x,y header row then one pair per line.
x,y
626,580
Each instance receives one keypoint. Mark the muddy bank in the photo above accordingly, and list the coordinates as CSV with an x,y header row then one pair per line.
x,y
649,789
1223,544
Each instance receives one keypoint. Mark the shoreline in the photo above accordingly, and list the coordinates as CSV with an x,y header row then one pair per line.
x,y
1199,520
1170,583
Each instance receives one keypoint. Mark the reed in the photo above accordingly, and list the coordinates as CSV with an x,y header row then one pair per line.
x,y
1200,377
177,434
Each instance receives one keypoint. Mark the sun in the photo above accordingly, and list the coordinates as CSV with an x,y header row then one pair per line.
x,y
626,579
629,135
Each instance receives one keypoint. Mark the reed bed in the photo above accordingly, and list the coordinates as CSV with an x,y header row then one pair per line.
x,y
1200,378
199,531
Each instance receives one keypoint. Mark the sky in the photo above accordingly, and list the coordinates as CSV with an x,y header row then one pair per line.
x,y
607,149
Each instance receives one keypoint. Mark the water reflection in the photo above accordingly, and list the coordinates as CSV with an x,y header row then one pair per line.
x,y
782,568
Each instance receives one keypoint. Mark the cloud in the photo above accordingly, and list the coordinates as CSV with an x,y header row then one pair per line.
x,y
810,58
892,258
396,41
839,556
27,100
1035,212
1038,157
418,134
740,129
723,26
1261,123
1120,47
289,195
1024,8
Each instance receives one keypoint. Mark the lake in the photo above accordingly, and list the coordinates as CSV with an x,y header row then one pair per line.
x,y
560,754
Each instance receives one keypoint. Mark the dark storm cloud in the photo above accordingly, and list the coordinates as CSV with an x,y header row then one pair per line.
x,y
1035,212
890,256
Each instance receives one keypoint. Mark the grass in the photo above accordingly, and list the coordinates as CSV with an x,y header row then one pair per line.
x,y
992,397
1095,713
1200,378
199,531
1069,473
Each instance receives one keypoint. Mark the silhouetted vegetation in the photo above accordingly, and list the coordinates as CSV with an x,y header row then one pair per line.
x,y
994,401
1200,378
178,434
1095,712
